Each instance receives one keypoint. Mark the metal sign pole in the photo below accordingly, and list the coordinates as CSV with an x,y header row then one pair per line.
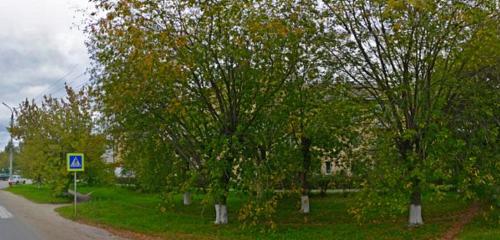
x,y
75,163
74,195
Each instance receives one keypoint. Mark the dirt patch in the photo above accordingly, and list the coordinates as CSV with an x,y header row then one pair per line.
x,y
463,219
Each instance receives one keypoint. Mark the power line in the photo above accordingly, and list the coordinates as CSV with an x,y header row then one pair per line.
x,y
46,93
68,83
82,84
62,78
58,81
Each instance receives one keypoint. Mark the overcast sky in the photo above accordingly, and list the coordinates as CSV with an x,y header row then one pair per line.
x,y
41,48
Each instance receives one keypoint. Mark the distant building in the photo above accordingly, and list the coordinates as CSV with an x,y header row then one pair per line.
x,y
109,156
332,166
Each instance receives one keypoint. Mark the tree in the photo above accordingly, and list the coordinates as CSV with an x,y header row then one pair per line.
x,y
404,54
473,120
4,157
4,160
222,62
323,122
57,127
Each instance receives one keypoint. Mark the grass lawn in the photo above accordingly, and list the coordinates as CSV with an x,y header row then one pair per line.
x,y
138,212
124,209
38,194
483,227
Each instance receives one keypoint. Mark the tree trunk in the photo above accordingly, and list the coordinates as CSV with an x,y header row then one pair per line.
x,y
217,214
260,186
221,211
415,217
220,214
304,204
306,163
221,201
415,208
187,198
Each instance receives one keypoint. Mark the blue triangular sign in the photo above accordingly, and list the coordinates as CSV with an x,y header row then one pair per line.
x,y
75,163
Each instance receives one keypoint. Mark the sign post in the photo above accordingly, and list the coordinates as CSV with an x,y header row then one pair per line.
x,y
75,162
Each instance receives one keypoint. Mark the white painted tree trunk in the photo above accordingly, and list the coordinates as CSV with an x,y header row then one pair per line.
x,y
223,214
217,213
304,204
187,198
220,214
415,215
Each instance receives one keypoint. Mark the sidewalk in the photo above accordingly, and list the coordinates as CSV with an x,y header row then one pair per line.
x,y
45,223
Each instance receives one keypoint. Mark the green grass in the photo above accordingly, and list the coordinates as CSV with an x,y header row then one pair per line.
x,y
485,226
139,212
38,194
124,209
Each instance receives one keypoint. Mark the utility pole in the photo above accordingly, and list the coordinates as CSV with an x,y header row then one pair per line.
x,y
11,144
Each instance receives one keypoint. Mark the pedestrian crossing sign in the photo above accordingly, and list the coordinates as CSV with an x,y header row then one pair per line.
x,y
75,162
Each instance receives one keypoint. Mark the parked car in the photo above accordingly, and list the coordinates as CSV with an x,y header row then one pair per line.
x,y
4,176
16,179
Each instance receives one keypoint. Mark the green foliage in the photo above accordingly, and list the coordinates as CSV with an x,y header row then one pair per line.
x,y
254,95
54,128
207,92
4,158
412,59
382,195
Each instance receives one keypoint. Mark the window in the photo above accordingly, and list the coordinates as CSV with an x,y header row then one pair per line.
x,y
328,167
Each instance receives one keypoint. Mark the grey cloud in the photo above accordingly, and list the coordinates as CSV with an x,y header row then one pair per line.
x,y
37,48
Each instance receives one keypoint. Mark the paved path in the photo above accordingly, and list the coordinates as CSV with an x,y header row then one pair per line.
x,y
21,219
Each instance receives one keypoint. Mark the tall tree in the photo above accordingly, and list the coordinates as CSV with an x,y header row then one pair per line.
x,y
322,124
219,62
404,54
56,127
472,122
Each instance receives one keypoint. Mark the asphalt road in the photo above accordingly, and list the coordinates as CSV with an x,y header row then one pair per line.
x,y
13,229
21,219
